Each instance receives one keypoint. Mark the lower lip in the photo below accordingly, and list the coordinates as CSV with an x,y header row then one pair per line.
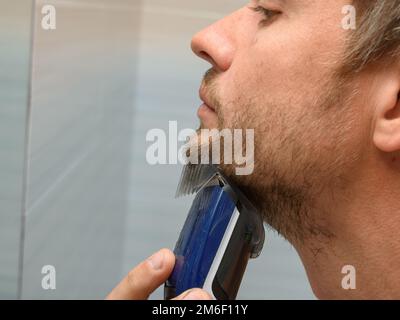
x,y
205,111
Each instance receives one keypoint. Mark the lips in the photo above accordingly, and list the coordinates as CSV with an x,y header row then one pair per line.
x,y
205,99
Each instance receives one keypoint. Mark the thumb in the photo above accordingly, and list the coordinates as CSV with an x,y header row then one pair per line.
x,y
194,294
145,278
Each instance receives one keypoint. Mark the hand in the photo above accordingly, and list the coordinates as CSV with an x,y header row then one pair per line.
x,y
148,276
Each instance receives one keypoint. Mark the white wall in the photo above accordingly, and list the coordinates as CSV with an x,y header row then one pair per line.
x,y
15,34
79,147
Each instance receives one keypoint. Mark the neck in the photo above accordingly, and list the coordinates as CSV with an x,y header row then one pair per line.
x,y
365,221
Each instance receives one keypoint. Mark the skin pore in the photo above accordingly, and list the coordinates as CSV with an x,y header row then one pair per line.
x,y
327,149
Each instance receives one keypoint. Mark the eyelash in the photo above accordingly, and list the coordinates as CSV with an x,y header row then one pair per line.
x,y
266,13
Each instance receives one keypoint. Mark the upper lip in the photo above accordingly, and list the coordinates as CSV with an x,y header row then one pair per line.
x,y
204,97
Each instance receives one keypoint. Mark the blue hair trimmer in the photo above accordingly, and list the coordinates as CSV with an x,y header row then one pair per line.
x,y
222,231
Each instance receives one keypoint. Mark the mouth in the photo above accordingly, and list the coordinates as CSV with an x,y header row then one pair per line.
x,y
206,101
206,112
204,109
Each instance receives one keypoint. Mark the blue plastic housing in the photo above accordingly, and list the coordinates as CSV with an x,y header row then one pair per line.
x,y
200,238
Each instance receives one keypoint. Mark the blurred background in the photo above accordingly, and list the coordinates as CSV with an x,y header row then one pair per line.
x,y
76,102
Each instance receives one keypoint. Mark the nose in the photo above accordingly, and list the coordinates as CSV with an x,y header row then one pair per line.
x,y
216,44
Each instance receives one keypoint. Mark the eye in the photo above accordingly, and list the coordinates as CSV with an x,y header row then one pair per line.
x,y
267,14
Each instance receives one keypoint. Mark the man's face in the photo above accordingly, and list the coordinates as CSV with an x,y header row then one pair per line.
x,y
276,74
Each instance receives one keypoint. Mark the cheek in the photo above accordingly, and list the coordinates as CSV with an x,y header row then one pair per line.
x,y
285,63
255,91
266,77
290,71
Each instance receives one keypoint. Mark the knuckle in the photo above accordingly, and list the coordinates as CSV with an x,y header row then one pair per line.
x,y
195,294
202,294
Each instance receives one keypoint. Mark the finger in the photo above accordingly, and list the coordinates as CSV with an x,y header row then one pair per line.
x,y
145,278
194,294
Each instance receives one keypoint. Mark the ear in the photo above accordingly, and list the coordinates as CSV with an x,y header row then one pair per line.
x,y
386,134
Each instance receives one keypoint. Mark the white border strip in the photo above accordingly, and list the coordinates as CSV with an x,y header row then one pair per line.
x,y
220,253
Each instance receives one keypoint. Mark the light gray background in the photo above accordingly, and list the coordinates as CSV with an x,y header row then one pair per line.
x,y
15,33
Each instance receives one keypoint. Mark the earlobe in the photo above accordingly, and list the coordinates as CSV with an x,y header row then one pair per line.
x,y
387,129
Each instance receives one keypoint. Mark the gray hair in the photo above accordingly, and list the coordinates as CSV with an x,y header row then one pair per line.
x,y
377,35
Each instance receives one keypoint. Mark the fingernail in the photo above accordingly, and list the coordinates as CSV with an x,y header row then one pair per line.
x,y
156,260
194,295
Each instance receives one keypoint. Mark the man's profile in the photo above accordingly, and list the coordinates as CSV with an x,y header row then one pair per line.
x,y
324,102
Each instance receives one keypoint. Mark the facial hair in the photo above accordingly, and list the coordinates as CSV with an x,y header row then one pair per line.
x,y
290,171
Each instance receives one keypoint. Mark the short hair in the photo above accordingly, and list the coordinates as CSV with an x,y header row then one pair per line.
x,y
377,35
